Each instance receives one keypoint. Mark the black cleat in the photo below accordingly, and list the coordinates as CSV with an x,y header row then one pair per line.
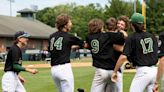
x,y
80,90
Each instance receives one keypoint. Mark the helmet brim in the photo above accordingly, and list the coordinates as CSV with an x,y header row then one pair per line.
x,y
24,36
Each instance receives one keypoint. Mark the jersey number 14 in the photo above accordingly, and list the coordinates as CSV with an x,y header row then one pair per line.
x,y
57,44
147,45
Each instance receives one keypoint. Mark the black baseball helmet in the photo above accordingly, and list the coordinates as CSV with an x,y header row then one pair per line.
x,y
21,34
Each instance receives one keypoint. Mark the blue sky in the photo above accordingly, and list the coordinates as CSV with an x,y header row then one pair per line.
x,y
21,4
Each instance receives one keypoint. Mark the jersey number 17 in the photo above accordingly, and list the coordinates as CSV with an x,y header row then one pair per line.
x,y
147,45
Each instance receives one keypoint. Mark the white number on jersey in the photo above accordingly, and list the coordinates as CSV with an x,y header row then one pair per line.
x,y
147,42
57,44
95,46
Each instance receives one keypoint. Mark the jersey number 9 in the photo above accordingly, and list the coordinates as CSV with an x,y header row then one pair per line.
x,y
95,46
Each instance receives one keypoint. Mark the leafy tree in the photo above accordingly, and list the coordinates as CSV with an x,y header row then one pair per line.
x,y
48,15
115,8
81,15
155,17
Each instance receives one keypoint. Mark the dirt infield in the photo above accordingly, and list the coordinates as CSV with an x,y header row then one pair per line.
x,y
83,62
77,64
47,65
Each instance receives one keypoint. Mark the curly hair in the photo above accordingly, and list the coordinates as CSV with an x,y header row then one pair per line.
x,y
111,23
61,21
95,26
126,20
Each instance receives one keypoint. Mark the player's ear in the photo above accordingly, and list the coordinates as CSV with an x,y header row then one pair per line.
x,y
66,26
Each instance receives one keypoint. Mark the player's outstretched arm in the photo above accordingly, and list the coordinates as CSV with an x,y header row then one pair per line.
x,y
19,68
33,71
120,61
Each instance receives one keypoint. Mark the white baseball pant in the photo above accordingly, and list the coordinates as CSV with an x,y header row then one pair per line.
x,y
102,81
63,77
11,83
144,79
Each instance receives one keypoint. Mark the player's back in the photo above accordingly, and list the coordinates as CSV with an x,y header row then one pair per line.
x,y
60,46
101,46
144,49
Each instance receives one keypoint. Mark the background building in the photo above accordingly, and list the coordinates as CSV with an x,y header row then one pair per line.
x,y
10,25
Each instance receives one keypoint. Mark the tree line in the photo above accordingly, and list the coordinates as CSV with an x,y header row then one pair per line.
x,y
114,8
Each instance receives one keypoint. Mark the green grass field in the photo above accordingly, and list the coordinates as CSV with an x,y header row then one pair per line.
x,y
42,82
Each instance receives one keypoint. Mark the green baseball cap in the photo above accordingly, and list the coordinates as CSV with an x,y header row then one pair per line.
x,y
137,18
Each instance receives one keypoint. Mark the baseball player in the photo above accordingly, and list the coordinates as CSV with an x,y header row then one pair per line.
x,y
11,80
101,46
60,44
140,49
161,64
120,24
123,25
